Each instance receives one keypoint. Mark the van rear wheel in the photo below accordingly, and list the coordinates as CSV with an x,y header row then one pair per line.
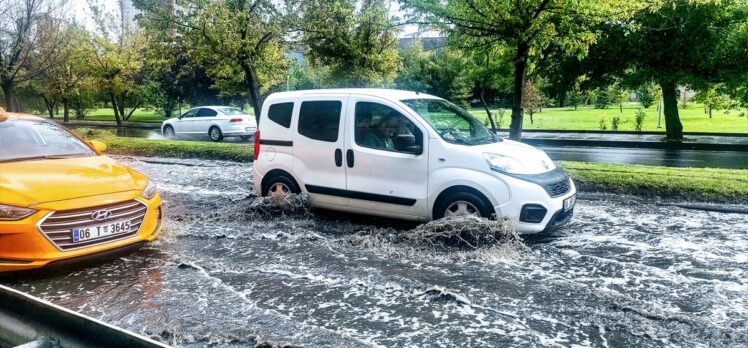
x,y
280,186
461,204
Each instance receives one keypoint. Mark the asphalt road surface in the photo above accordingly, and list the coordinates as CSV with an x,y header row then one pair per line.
x,y
231,270
654,157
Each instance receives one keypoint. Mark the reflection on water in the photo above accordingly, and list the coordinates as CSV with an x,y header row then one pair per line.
x,y
230,270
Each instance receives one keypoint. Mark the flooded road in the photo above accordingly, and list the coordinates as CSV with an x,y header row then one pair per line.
x,y
229,270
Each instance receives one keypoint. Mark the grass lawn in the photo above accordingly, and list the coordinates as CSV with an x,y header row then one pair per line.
x,y
700,184
697,184
106,114
588,118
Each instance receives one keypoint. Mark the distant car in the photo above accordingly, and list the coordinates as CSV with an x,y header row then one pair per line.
x,y
62,200
217,122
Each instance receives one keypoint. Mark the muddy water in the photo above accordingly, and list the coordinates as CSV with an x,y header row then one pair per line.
x,y
229,270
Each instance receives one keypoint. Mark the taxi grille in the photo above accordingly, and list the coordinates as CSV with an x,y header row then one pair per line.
x,y
58,226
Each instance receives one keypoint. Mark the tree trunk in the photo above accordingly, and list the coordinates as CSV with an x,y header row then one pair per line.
x,y
710,112
254,90
531,120
50,107
11,102
114,107
488,111
520,67
620,107
562,98
66,110
121,107
673,127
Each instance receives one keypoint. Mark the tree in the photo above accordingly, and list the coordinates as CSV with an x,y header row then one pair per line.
x,y
713,98
532,100
68,81
444,72
524,28
240,42
681,42
29,42
647,94
355,39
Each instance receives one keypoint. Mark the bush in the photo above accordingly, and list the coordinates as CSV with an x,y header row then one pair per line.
x,y
615,122
639,120
603,124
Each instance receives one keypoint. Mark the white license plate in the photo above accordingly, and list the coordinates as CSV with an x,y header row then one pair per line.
x,y
569,203
100,231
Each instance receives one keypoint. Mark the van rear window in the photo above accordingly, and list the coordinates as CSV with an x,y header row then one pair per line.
x,y
281,114
320,120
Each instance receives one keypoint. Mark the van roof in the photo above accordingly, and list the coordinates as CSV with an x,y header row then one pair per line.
x,y
379,92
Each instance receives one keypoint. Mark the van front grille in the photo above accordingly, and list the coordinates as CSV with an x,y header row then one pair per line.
x,y
58,226
558,188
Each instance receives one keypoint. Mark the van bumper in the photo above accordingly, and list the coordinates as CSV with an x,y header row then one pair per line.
x,y
548,213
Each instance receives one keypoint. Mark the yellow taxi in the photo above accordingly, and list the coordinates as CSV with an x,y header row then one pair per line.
x,y
61,200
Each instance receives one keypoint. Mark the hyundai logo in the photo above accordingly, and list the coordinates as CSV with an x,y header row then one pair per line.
x,y
101,215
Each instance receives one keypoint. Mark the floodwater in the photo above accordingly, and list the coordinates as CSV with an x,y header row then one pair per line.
x,y
231,270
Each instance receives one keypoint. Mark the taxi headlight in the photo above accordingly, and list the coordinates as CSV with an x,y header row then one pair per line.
x,y
11,213
150,190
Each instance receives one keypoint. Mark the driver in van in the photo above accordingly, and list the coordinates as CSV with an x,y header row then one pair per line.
x,y
381,136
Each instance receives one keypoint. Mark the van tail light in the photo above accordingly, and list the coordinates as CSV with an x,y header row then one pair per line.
x,y
235,120
257,144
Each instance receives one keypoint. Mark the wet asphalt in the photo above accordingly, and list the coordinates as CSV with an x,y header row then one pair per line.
x,y
230,270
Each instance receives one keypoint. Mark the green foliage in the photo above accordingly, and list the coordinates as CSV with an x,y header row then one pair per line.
x,y
356,43
647,94
603,124
672,43
443,72
615,122
713,98
639,120
521,30
702,184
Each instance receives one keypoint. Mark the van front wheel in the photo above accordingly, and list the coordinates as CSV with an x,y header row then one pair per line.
x,y
461,204
281,186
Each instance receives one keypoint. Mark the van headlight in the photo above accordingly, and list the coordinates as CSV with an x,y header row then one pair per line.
x,y
150,190
11,213
501,163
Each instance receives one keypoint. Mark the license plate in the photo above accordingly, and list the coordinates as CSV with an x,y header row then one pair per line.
x,y
569,203
100,231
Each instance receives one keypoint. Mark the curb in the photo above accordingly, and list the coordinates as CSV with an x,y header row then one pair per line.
x,y
638,144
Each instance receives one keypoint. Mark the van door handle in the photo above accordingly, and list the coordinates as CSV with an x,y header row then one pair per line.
x,y
349,158
338,157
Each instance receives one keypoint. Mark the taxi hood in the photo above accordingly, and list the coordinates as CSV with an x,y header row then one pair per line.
x,y
29,183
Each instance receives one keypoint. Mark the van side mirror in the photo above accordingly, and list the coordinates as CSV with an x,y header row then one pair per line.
x,y
415,149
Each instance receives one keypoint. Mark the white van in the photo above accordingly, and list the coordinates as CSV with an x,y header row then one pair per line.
x,y
405,155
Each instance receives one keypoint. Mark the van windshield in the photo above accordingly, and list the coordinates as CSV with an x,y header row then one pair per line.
x,y
453,124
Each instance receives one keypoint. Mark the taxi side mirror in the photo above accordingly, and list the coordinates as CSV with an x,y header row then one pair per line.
x,y
99,146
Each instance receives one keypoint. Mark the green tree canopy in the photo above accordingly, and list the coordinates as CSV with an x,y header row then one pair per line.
x,y
524,28
355,40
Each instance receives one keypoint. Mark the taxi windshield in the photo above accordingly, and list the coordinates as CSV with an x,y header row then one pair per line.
x,y
36,139
453,124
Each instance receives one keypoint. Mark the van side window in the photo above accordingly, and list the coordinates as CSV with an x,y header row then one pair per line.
x,y
384,128
320,120
281,114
